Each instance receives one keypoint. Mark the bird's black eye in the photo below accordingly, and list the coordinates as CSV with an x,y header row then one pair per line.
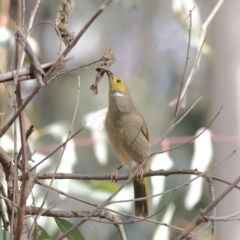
x,y
118,81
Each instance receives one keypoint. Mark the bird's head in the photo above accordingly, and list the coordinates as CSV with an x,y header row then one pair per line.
x,y
117,87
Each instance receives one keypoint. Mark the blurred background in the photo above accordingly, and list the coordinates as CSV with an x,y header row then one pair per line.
x,y
149,40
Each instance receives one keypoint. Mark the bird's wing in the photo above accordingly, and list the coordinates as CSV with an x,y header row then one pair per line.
x,y
144,130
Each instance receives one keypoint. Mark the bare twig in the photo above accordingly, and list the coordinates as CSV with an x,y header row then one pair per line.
x,y
37,69
39,213
185,114
75,214
120,176
56,149
9,201
57,31
198,57
195,137
186,63
201,217
200,175
73,69
33,13
171,125
25,182
63,150
79,199
8,169
75,40
98,177
231,217
214,212
116,221
28,133
3,216
95,205
19,110
26,73
23,197
224,181
15,197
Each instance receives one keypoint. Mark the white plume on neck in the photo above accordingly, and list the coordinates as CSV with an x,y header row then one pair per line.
x,y
117,94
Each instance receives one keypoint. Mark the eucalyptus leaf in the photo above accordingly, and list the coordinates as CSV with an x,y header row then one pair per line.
x,y
65,225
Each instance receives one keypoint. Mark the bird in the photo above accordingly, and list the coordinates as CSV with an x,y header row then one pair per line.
x,y
129,138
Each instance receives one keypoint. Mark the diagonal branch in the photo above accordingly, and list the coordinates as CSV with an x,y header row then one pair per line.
x,y
200,218
75,40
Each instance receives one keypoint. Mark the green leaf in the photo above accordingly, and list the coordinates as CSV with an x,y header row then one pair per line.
x,y
4,235
104,185
44,235
64,225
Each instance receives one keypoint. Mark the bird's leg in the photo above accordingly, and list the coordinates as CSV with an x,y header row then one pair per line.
x,y
140,173
114,174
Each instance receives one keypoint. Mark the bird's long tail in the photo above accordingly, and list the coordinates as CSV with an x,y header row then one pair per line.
x,y
141,190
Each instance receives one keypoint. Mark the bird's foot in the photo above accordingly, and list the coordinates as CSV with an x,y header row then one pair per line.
x,y
114,175
140,173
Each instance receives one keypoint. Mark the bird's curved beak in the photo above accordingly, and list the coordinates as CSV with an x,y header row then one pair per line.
x,y
110,74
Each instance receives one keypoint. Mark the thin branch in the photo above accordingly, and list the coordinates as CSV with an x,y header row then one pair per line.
x,y
224,181
106,209
15,196
116,221
73,69
224,218
19,110
75,214
198,58
201,217
101,214
9,201
39,213
56,29
199,232
23,194
193,138
185,67
166,174
26,73
37,69
75,40
33,13
28,133
214,212
62,153
3,216
186,113
194,70
8,169
56,149
99,177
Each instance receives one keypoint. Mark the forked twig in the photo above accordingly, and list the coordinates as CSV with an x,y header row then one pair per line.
x,y
185,66
200,218
75,40
59,161
198,58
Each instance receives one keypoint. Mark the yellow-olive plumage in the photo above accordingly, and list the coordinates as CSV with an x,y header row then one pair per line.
x,y
128,136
